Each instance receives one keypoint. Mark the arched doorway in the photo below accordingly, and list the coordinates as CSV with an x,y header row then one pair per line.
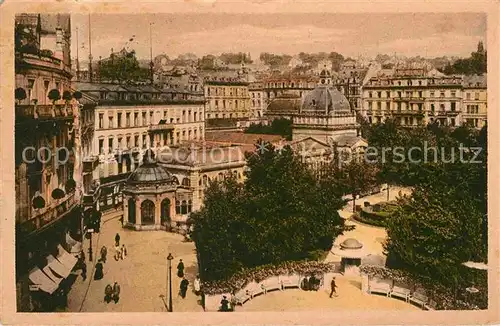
x,y
148,212
131,211
165,211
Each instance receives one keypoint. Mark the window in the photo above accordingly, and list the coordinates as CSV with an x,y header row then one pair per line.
x,y
441,106
216,103
136,119
452,122
399,94
119,122
119,143
144,141
151,117
420,94
431,94
433,108
189,206
110,145
369,105
441,94
195,135
379,94
476,96
101,120
379,106
31,82
101,146
388,105
387,94
110,122
127,119
136,141
369,94
420,83
195,116
148,212
453,106
468,95
129,145
143,118
453,94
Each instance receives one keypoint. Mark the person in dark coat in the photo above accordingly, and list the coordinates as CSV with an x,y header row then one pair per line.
x,y
84,271
98,275
104,252
333,287
180,269
117,240
224,304
184,287
116,292
108,293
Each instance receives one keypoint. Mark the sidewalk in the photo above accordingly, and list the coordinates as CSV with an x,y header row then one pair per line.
x,y
142,275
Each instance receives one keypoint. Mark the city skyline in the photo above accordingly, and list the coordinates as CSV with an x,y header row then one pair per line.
x,y
353,35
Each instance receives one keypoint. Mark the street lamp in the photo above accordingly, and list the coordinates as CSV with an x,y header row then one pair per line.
x,y
169,262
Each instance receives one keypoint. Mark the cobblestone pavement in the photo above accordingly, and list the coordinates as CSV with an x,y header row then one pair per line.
x,y
349,297
142,275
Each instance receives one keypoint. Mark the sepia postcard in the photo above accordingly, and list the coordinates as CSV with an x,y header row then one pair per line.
x,y
249,162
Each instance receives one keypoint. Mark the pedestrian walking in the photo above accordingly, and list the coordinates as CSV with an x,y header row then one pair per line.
x,y
123,251
333,287
184,287
98,275
197,285
116,292
108,293
117,252
180,269
117,240
84,271
104,252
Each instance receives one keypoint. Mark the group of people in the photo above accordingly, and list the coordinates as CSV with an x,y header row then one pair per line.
x,y
112,293
311,283
120,252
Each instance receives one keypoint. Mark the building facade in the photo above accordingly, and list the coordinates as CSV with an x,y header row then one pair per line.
x,y
226,98
258,100
414,97
475,101
48,141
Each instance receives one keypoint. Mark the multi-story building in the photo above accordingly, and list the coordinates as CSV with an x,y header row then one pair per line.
x,y
475,97
291,85
48,148
125,126
414,97
349,81
258,100
226,98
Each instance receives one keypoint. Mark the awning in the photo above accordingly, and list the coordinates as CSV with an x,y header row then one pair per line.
x,y
57,267
76,246
42,281
56,278
65,258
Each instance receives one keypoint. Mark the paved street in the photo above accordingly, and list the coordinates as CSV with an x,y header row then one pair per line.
x,y
141,275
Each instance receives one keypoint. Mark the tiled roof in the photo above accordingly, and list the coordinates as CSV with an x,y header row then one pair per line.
x,y
475,81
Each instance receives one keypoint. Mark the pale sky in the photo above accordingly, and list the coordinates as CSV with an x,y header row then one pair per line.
x,y
410,34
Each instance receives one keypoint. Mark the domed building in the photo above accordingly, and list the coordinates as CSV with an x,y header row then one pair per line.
x,y
153,199
325,114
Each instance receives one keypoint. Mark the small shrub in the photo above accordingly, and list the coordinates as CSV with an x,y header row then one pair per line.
x,y
376,208
67,96
58,193
38,202
54,95
46,53
70,185
77,95
20,94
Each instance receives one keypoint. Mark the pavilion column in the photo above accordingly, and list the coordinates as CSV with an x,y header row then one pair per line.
x,y
173,215
125,210
138,217
157,210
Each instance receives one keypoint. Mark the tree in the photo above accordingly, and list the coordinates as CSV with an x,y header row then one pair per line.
x,y
20,94
54,95
281,212
67,96
77,95
123,67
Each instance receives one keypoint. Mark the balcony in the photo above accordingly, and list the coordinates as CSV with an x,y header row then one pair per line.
x,y
90,163
44,112
44,217
409,112
161,127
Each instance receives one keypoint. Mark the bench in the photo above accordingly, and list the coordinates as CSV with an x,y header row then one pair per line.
x,y
379,286
270,284
400,292
419,298
242,296
253,289
289,281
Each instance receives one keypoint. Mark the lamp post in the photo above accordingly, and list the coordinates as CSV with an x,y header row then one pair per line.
x,y
169,262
